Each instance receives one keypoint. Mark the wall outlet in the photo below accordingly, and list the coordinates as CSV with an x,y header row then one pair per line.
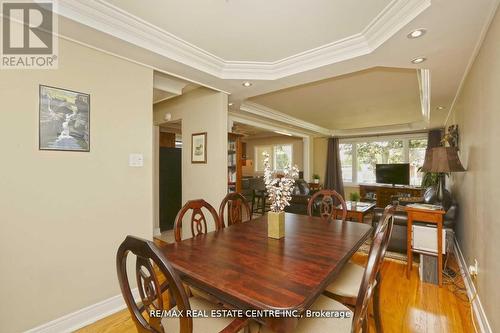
x,y
474,269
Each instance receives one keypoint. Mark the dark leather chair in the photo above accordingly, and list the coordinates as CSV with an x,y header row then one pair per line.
x,y
301,195
399,233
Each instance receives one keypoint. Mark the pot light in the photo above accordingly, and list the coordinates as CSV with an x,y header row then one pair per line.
x,y
247,84
418,60
230,104
440,107
416,33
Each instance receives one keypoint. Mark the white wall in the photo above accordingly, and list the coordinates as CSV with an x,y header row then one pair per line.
x,y
64,214
477,191
201,110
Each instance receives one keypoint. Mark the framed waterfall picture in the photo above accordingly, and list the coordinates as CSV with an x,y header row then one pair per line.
x,y
199,148
64,120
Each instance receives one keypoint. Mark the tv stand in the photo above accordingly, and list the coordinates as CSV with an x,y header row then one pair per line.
x,y
382,194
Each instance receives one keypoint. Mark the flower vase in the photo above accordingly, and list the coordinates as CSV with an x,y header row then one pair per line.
x,y
276,225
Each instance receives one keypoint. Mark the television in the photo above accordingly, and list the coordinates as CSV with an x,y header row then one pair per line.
x,y
395,174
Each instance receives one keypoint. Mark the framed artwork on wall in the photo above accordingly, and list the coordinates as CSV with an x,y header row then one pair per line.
x,y
64,120
199,147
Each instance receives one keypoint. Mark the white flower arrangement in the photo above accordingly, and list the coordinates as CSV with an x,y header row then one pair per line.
x,y
279,189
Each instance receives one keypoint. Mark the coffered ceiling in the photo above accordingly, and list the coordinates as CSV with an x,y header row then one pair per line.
x,y
287,49
370,98
257,30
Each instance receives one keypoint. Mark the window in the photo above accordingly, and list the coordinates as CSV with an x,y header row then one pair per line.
x,y
346,161
279,155
359,157
282,156
369,154
417,149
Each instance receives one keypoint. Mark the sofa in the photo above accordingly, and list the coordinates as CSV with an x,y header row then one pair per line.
x,y
399,231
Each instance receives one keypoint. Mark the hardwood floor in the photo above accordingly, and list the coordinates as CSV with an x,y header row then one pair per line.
x,y
408,305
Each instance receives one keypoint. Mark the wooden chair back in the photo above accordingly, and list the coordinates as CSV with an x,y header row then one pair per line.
x,y
238,209
150,289
327,204
198,221
375,260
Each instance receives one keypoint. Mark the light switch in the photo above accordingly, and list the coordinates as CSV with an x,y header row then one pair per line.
x,y
135,160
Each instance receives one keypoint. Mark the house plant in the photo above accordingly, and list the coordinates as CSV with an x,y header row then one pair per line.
x,y
316,178
279,189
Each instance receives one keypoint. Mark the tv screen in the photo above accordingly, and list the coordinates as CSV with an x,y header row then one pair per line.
x,y
395,174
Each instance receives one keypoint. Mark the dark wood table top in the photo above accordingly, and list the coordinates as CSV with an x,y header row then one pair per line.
x,y
248,270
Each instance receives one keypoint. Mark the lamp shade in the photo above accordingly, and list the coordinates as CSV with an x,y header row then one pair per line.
x,y
442,159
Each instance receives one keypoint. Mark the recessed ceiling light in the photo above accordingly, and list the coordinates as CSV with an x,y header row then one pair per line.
x,y
416,33
230,104
418,60
247,84
440,107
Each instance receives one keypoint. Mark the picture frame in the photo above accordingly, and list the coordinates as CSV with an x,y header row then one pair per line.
x,y
63,119
199,148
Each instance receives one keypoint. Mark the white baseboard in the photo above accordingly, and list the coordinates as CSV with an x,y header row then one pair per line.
x,y
156,232
479,315
85,316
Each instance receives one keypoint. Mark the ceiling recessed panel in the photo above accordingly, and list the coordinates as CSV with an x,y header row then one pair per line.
x,y
257,30
374,97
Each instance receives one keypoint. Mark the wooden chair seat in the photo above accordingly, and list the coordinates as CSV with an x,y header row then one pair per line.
x,y
208,325
324,325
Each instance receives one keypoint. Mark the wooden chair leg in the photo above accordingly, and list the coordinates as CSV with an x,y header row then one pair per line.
x,y
376,306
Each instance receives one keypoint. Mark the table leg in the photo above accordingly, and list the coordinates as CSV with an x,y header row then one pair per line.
x,y
360,217
440,252
409,252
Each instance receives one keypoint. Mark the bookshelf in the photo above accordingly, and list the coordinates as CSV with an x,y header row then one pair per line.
x,y
234,162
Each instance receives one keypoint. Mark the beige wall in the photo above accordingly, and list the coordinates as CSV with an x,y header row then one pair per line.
x,y
297,152
477,113
201,110
63,214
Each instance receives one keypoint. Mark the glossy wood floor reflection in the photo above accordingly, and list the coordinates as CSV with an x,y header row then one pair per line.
x,y
408,305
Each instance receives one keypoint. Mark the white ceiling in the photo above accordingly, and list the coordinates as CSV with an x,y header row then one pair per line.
x,y
370,98
205,46
257,30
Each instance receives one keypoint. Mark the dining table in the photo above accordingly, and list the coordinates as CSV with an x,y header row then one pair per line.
x,y
245,269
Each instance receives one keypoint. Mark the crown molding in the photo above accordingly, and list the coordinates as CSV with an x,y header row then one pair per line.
x,y
116,22
274,115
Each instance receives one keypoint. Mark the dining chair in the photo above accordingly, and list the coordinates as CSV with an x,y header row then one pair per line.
x,y
153,294
198,221
346,286
327,204
356,321
237,209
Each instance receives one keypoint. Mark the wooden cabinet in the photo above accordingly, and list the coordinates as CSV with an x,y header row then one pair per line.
x,y
234,162
382,194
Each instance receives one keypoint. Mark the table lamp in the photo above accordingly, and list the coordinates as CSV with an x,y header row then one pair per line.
x,y
442,160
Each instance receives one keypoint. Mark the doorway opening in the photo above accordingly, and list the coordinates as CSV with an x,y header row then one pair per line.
x,y
170,177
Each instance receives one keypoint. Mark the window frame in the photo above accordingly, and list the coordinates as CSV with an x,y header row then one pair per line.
x,y
368,139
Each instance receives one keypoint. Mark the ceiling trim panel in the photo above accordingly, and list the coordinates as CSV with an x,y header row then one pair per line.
x,y
111,20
